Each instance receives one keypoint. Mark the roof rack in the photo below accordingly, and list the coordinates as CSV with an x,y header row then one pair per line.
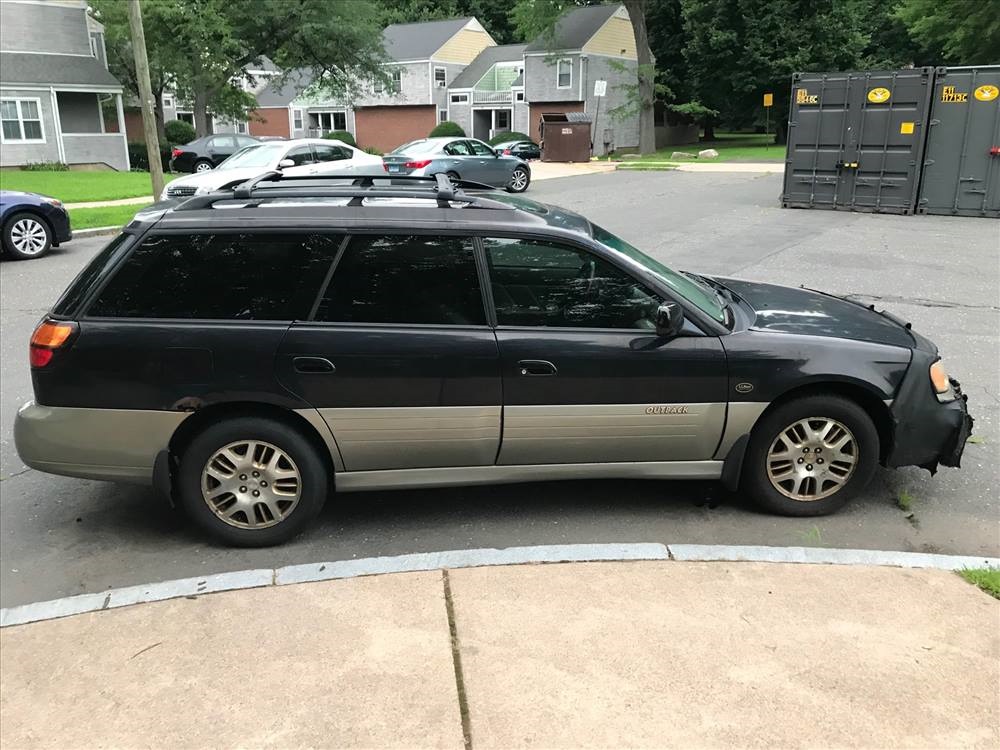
x,y
274,184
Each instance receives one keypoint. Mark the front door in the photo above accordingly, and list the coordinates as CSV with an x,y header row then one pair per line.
x,y
585,377
398,357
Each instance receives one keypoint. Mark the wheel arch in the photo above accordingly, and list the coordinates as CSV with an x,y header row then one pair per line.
x,y
877,410
307,422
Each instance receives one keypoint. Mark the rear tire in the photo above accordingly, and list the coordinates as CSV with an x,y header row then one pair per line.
x,y
201,166
520,178
810,456
453,176
252,481
26,236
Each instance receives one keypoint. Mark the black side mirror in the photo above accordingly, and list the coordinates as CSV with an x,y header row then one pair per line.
x,y
669,319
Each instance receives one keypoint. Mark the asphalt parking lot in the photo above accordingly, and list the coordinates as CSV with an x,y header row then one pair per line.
x,y
60,536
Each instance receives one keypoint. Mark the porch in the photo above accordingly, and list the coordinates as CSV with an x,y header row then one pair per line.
x,y
487,122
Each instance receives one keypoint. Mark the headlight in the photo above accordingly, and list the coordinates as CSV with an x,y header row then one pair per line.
x,y
53,201
941,383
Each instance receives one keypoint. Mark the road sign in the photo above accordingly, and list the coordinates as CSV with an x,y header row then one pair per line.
x,y
600,87
768,100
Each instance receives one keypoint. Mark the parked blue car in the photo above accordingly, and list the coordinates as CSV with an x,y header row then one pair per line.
x,y
32,224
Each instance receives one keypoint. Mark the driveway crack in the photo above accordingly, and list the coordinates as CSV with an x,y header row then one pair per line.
x,y
456,658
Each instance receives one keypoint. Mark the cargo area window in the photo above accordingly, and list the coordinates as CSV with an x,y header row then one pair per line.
x,y
219,277
538,283
405,279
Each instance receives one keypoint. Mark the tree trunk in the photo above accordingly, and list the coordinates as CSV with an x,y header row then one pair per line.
x,y
200,113
709,130
646,72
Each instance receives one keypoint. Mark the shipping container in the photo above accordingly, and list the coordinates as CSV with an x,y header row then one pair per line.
x,y
961,174
856,140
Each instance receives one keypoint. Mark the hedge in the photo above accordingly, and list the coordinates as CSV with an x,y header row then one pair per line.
x,y
139,160
178,132
341,135
447,129
510,135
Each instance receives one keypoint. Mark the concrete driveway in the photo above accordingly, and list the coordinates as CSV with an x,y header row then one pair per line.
x,y
63,536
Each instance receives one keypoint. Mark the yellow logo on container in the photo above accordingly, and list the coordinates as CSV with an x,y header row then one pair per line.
x,y
879,95
987,93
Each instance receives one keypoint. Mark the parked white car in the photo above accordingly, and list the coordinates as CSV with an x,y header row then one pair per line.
x,y
302,156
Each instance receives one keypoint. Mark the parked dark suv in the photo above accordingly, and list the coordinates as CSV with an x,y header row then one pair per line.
x,y
251,350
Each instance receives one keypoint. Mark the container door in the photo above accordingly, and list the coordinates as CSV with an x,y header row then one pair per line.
x,y
962,165
855,140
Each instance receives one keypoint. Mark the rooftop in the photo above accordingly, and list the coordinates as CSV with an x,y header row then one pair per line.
x,y
418,41
486,59
574,28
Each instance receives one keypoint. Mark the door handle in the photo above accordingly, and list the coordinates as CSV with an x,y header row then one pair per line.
x,y
536,367
313,365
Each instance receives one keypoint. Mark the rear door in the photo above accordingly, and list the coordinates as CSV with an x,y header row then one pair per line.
x,y
398,357
332,158
220,148
585,377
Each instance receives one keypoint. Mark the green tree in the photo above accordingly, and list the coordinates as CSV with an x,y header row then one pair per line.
x,y
964,32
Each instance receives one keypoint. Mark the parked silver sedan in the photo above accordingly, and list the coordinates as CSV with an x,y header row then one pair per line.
x,y
459,158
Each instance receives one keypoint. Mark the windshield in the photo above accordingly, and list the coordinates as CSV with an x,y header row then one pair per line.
x,y
253,156
701,295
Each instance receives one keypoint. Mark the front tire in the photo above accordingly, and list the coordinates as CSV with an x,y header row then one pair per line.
x,y
520,178
252,482
26,236
810,456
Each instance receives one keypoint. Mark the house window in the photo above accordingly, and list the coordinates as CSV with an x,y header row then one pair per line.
x,y
187,117
442,115
440,77
168,102
241,128
340,121
328,121
459,98
21,120
296,119
519,96
397,81
502,119
378,86
564,74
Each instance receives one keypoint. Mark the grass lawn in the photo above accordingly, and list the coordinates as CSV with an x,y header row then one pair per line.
x,y
988,579
747,147
108,216
77,187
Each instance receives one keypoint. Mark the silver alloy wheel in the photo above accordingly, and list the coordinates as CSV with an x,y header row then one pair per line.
x,y
28,236
251,484
203,166
812,459
519,180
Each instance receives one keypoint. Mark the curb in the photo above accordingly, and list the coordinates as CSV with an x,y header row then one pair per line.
x,y
474,558
95,232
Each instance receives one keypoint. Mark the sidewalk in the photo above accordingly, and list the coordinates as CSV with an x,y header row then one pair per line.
x,y
627,654
685,166
102,204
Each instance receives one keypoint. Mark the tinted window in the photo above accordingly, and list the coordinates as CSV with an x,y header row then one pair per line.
x,y
544,284
331,153
225,276
245,140
481,149
300,155
458,148
405,280
222,142
84,283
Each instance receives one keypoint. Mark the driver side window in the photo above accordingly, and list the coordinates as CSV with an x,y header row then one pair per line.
x,y
458,148
481,149
537,283
301,155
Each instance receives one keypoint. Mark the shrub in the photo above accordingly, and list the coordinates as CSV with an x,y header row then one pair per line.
x,y
374,151
140,162
178,132
45,166
447,129
341,135
510,135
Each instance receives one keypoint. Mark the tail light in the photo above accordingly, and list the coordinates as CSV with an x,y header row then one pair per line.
x,y
48,338
417,164
385,166
176,152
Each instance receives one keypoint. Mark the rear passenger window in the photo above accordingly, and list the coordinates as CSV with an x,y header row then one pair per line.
x,y
405,279
219,277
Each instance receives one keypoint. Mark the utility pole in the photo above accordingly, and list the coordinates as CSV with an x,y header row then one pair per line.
x,y
145,97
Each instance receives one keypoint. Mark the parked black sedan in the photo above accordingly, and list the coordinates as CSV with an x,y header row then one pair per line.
x,y
32,224
523,149
207,153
